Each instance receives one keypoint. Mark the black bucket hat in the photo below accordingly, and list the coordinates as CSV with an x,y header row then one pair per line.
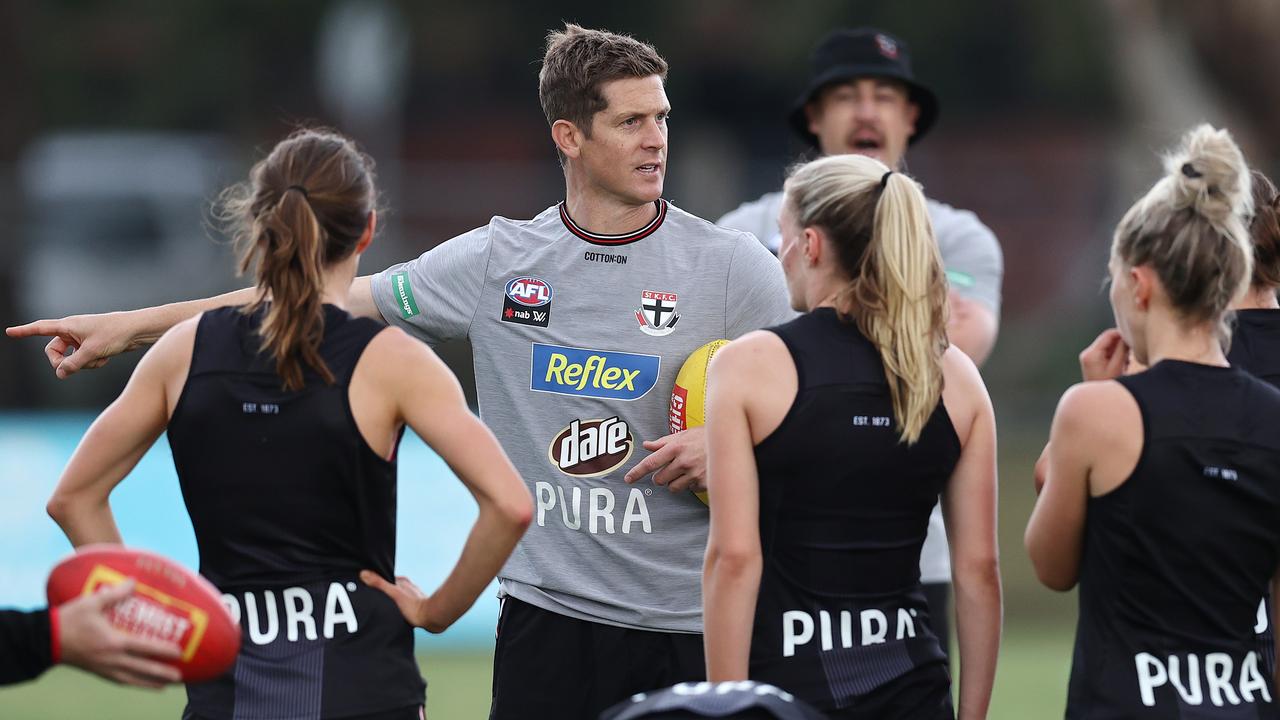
x,y
863,52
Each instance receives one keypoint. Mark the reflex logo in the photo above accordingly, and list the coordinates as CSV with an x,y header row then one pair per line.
x,y
592,373
591,448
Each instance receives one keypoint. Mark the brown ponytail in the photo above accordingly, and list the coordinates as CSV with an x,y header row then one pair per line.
x,y
305,206
880,228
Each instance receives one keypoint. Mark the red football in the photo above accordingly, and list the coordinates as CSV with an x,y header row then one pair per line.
x,y
169,602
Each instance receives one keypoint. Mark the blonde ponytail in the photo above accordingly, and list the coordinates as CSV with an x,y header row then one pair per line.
x,y
901,296
880,228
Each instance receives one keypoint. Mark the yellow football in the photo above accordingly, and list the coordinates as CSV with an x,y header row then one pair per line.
x,y
689,396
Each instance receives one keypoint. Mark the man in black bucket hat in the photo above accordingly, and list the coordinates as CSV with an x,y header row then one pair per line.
x,y
863,97
845,57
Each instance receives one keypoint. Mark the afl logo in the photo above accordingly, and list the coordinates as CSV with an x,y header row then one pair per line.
x,y
590,448
529,291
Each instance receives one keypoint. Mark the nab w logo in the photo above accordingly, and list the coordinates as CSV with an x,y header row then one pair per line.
x,y
593,373
527,301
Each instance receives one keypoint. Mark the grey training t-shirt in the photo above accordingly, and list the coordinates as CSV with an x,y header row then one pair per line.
x,y
975,268
578,338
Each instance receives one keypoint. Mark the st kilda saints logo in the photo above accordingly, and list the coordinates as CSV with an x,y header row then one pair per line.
x,y
657,313
527,301
590,448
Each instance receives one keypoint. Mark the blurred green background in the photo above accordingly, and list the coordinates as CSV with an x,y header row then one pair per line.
x,y
121,119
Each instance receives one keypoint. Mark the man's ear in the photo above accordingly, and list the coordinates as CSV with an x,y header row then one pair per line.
x,y
568,138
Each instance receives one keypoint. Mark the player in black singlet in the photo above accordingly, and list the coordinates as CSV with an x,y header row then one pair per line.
x,y
1162,488
829,440
284,418
1255,342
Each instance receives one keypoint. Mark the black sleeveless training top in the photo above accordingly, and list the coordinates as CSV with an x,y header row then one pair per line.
x,y
1255,344
844,508
1255,348
1176,558
289,503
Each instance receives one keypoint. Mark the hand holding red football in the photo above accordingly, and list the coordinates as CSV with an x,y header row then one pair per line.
x,y
88,640
165,605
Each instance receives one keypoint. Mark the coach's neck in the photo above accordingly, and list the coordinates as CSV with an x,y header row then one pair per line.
x,y
597,210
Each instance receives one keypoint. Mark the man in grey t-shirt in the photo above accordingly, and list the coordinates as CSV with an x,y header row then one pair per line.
x,y
580,320
862,97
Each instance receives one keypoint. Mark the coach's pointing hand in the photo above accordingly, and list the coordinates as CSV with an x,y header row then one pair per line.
x,y
91,340
679,459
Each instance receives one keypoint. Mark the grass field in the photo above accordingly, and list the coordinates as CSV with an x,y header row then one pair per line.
x,y
1031,684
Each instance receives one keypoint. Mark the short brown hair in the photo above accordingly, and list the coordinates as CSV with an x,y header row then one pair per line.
x,y
578,61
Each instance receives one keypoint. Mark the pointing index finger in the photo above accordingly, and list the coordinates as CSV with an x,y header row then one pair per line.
x,y
36,328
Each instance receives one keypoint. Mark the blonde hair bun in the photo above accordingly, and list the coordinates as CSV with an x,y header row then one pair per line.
x,y
1207,173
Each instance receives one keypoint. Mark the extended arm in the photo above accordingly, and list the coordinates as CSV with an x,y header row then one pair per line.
x,y
118,439
88,341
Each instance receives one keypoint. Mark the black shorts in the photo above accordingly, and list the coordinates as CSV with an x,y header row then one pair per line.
x,y
548,665
923,694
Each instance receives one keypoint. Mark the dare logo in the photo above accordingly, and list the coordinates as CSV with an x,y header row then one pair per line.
x,y
590,448
527,301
